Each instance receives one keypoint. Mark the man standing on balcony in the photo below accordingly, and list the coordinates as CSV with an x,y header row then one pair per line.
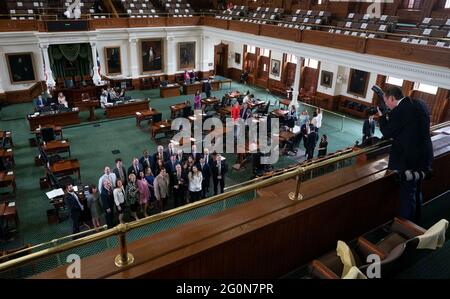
x,y
411,154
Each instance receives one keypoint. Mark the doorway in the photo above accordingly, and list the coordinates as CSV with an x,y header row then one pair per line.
x,y
221,59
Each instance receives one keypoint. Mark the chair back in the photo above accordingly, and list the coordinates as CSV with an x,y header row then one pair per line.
x,y
48,134
157,118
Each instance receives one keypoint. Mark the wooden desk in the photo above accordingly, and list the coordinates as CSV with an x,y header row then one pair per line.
x,y
192,87
8,179
57,146
244,152
174,109
253,105
145,115
56,129
172,90
56,119
225,111
6,134
235,94
210,102
285,102
7,154
88,105
161,127
126,109
74,94
286,136
279,113
8,213
66,167
225,81
215,85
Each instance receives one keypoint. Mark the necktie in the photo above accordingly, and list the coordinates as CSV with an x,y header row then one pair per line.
x,y
121,173
220,167
76,198
136,170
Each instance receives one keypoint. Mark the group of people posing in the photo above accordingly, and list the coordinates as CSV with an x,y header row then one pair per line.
x,y
150,182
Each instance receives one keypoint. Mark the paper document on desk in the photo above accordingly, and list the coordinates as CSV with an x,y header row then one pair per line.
x,y
54,193
75,188
64,141
12,204
10,173
9,150
138,113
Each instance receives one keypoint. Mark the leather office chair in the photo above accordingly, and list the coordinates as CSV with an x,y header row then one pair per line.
x,y
48,134
399,243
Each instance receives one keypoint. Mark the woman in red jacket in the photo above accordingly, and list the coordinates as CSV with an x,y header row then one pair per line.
x,y
235,112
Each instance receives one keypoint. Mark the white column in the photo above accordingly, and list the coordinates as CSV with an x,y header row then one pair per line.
x,y
48,71
96,77
171,57
134,64
296,86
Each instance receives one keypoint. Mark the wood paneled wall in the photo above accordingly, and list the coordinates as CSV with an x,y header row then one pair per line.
x,y
25,95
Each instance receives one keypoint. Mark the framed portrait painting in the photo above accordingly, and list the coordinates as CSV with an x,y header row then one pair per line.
x,y
275,68
326,79
237,58
357,83
151,55
186,55
113,64
21,68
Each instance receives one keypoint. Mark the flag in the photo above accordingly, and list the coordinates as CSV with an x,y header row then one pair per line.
x,y
44,66
98,65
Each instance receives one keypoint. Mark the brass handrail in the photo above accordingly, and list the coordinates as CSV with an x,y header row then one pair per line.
x,y
125,258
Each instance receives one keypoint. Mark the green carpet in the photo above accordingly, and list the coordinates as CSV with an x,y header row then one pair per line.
x,y
92,144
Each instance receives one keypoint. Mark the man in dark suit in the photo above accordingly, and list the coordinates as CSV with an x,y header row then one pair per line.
x,y
135,167
219,169
171,164
180,183
146,161
160,154
206,174
311,141
120,172
207,156
368,128
208,88
170,150
40,103
75,207
245,112
408,125
195,154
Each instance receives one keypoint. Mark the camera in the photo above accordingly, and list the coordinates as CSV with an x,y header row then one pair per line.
x,y
372,111
380,93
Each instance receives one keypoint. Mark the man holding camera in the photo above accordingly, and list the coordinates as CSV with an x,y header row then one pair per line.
x,y
411,153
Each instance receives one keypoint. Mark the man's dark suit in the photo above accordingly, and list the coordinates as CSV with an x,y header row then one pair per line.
x,y
408,125
216,174
116,172
206,174
179,193
132,169
368,129
107,200
170,167
311,143
75,211
147,162
165,157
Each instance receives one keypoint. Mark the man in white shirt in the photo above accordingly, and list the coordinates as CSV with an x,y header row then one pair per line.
x,y
318,119
108,175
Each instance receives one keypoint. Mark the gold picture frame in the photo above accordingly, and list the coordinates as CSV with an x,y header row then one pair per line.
x,y
186,56
152,54
21,67
113,61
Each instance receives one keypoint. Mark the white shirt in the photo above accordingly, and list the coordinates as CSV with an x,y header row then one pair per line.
x,y
319,120
195,183
246,99
119,196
